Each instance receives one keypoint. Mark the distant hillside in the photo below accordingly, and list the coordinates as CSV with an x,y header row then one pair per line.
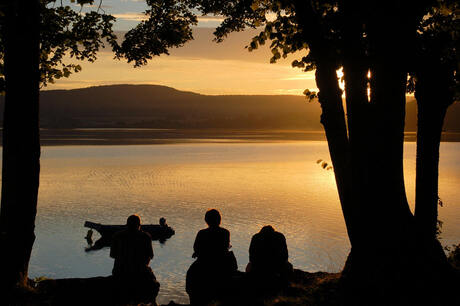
x,y
164,107
155,106
451,122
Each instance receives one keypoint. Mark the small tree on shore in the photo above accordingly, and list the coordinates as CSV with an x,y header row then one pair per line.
x,y
35,38
21,148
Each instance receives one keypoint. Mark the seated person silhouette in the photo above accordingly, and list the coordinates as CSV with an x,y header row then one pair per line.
x,y
268,259
163,222
132,250
210,275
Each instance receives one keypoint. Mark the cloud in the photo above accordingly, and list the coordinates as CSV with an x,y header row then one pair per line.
x,y
96,6
133,16
293,91
201,66
205,76
304,76
208,18
130,16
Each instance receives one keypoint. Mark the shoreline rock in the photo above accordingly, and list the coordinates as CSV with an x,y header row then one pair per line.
x,y
99,291
305,288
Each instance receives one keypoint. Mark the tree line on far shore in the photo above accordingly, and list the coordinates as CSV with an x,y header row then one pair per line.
x,y
154,106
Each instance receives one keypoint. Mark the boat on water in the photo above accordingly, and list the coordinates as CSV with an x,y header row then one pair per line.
x,y
159,232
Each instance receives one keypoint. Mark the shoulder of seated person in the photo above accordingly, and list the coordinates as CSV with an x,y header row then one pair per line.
x,y
145,234
223,229
202,231
120,234
281,235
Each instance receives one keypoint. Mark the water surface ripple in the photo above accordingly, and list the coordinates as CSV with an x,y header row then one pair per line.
x,y
251,184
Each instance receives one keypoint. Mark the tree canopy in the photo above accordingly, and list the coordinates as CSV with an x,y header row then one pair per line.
x,y
67,35
168,25
296,26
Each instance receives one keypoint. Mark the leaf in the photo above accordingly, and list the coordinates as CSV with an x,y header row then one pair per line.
x,y
310,95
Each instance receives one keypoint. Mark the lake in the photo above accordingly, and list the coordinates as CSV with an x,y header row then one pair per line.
x,y
252,184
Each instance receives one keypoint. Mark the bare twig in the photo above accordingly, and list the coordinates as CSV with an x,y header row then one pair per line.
x,y
100,7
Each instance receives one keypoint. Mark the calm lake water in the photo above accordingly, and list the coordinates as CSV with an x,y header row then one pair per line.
x,y
251,184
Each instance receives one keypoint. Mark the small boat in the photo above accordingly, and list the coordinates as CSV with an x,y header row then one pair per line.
x,y
159,232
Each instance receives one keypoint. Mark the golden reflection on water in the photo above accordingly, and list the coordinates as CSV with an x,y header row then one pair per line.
x,y
251,184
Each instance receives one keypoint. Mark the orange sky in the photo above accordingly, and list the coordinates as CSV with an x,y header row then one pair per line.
x,y
200,66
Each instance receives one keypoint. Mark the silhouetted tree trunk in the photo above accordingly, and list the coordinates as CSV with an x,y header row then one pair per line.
x,y
386,172
355,68
434,95
333,121
21,147
333,115
433,98
385,265
380,263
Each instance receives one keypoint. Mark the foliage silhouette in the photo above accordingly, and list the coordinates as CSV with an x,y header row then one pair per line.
x,y
66,32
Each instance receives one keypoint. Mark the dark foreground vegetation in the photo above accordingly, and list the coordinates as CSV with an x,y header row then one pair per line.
x,y
304,288
315,289
318,288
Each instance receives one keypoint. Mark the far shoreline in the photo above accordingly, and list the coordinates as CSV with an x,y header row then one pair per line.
x,y
157,136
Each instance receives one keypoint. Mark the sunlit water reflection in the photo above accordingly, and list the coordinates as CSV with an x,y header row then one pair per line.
x,y
251,184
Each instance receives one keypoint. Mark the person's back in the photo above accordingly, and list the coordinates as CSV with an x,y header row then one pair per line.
x,y
268,259
268,250
208,277
132,251
211,243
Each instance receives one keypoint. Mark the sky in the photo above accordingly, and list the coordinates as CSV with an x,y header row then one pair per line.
x,y
201,65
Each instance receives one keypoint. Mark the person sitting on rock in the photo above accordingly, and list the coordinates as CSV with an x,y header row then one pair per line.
x,y
209,276
268,258
132,250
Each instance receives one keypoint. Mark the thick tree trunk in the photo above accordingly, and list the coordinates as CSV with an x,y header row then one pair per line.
x,y
434,95
333,115
386,171
380,261
383,267
333,121
433,98
391,213
355,68
21,147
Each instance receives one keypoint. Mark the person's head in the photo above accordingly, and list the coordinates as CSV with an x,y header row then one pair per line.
x,y
162,221
267,229
133,222
212,218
